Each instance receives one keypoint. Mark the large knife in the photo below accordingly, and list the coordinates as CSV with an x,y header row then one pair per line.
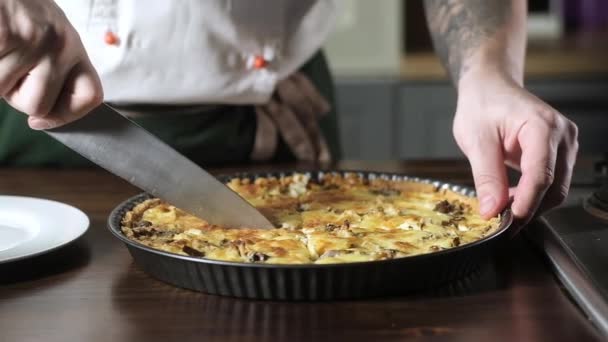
x,y
122,147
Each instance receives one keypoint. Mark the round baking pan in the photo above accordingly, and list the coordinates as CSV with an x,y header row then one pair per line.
x,y
313,281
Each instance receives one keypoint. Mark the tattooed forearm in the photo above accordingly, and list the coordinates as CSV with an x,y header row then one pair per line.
x,y
459,27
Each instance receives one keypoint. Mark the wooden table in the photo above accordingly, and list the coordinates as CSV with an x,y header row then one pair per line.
x,y
92,291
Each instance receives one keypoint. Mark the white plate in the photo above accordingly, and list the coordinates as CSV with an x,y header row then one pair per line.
x,y
31,226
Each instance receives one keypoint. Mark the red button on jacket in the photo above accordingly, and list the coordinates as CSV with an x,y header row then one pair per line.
x,y
111,38
259,62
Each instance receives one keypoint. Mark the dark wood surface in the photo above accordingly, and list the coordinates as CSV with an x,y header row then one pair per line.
x,y
92,291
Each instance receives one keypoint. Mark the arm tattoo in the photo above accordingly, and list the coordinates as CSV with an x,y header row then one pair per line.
x,y
458,27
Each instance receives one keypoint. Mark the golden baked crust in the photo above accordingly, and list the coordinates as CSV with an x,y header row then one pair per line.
x,y
339,219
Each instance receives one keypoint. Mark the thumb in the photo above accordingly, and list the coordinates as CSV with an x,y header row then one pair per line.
x,y
490,175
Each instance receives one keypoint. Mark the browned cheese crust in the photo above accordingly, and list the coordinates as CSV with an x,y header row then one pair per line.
x,y
336,220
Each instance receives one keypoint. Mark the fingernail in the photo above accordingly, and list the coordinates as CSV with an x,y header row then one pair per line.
x,y
38,124
486,204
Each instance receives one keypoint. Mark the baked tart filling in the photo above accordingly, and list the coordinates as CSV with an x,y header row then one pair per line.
x,y
338,219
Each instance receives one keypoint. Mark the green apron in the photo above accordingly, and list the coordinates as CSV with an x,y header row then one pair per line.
x,y
211,137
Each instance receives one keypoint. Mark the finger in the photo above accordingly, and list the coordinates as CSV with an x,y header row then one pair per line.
x,y
564,166
288,92
14,63
558,191
81,93
539,151
34,46
490,175
291,130
13,67
266,136
39,89
513,159
291,95
324,152
512,190
320,104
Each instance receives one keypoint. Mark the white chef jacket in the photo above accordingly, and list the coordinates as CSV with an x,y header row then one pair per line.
x,y
198,51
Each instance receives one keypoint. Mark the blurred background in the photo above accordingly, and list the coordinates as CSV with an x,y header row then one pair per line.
x,y
396,102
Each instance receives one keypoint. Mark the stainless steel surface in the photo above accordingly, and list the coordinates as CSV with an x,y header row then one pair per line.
x,y
577,282
597,203
575,240
124,148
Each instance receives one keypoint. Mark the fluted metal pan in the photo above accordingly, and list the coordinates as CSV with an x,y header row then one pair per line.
x,y
314,281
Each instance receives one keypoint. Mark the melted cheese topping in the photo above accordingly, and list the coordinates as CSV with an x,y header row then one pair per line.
x,y
339,219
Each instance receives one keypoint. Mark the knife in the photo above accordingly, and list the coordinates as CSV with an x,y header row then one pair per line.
x,y
124,148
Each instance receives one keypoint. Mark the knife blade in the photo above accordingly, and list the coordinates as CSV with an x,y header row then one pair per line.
x,y
127,150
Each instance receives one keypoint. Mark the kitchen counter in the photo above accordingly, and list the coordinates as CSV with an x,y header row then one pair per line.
x,y
425,66
576,55
92,291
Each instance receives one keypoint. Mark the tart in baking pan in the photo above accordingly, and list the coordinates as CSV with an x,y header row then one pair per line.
x,y
336,218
